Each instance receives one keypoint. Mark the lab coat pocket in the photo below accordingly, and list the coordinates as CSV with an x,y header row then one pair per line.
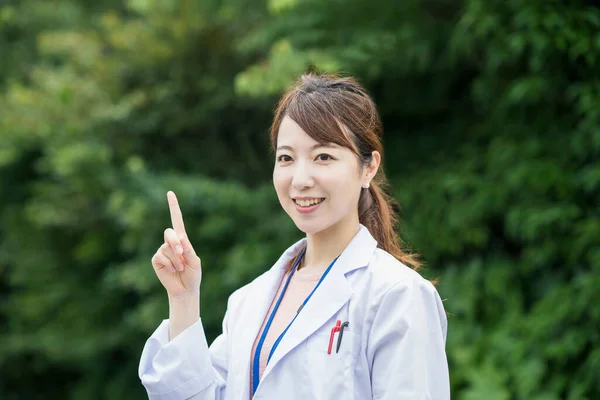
x,y
330,375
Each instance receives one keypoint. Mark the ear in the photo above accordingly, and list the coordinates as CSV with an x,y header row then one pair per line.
x,y
371,170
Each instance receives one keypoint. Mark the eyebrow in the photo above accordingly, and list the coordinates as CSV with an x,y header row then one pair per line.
x,y
316,146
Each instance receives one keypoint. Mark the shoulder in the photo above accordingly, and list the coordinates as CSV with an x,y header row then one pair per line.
x,y
386,273
267,279
239,295
398,291
389,283
388,293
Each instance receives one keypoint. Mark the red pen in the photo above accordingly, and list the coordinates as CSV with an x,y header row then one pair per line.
x,y
335,329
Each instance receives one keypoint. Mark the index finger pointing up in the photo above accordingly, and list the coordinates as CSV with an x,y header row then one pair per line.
x,y
176,217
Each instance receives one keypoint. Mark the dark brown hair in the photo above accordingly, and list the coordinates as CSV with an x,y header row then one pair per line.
x,y
334,109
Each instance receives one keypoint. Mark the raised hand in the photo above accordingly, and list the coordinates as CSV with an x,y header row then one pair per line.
x,y
176,264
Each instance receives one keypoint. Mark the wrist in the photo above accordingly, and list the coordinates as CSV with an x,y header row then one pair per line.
x,y
184,311
187,304
186,297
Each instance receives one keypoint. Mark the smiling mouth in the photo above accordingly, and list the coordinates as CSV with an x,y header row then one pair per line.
x,y
308,203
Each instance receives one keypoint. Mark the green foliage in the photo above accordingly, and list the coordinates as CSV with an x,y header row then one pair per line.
x,y
492,117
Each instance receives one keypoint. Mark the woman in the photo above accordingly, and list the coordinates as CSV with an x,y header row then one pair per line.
x,y
340,315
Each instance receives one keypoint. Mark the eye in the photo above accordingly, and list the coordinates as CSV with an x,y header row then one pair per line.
x,y
324,157
284,158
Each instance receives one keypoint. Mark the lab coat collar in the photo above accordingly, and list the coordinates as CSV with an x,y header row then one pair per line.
x,y
355,255
332,294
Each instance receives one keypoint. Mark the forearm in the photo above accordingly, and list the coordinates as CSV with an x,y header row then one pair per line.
x,y
184,311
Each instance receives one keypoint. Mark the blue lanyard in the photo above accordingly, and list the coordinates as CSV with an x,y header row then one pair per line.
x,y
256,361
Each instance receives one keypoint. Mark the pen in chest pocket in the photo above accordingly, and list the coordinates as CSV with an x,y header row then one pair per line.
x,y
339,327
339,342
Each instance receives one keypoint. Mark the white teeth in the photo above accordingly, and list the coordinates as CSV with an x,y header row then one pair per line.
x,y
307,203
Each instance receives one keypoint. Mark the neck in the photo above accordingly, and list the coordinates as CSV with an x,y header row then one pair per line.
x,y
324,246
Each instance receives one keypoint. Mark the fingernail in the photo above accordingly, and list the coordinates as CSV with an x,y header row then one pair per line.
x,y
171,268
179,267
179,249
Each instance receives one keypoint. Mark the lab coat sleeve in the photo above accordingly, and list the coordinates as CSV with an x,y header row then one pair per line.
x,y
185,367
406,345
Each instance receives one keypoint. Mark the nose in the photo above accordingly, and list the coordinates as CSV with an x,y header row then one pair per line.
x,y
302,177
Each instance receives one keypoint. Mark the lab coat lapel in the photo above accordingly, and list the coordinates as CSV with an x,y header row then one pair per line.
x,y
253,311
332,294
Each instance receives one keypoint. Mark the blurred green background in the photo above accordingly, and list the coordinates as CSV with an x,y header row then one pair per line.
x,y
491,111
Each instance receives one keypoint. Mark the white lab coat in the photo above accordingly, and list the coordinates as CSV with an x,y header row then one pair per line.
x,y
393,348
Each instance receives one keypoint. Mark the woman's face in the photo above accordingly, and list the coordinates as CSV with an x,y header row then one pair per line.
x,y
317,186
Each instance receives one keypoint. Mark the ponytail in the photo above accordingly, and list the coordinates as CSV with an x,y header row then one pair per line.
x,y
376,212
